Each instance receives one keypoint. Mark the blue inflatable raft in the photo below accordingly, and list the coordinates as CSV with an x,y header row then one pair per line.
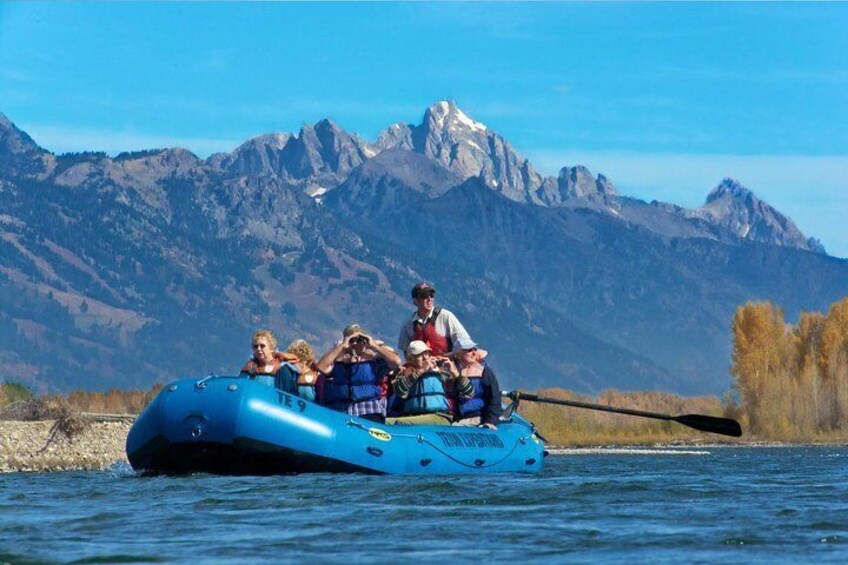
x,y
237,425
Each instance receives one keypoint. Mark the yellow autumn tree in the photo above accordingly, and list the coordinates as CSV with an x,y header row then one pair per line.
x,y
761,358
833,366
808,396
794,384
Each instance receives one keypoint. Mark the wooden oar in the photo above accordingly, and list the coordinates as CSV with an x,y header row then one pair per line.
x,y
723,426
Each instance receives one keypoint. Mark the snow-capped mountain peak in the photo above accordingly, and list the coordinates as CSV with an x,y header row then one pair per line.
x,y
446,115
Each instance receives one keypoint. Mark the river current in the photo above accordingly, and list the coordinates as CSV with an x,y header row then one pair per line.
x,y
692,505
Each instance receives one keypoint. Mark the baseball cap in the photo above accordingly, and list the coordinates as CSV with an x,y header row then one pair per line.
x,y
352,329
422,290
463,343
417,347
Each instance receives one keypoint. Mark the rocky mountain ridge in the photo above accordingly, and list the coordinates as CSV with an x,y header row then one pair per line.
x,y
734,207
123,269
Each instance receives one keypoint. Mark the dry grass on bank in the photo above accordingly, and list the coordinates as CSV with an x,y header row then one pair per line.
x,y
17,403
112,402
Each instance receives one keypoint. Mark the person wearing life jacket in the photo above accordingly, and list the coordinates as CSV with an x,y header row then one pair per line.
x,y
425,386
484,407
356,369
437,327
270,366
310,383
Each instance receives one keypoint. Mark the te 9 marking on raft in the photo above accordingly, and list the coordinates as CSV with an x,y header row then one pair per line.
x,y
288,401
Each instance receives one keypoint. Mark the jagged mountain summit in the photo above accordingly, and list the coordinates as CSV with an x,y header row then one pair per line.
x,y
322,156
737,209
318,158
468,149
116,268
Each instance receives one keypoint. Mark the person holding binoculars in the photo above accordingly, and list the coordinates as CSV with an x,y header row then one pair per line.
x,y
356,369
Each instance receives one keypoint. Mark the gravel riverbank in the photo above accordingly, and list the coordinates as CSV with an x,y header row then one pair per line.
x,y
41,446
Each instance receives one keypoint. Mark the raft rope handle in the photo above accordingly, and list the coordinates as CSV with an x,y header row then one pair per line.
x,y
474,465
421,439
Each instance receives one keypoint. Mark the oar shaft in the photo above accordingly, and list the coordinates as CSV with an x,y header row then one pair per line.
x,y
724,426
601,407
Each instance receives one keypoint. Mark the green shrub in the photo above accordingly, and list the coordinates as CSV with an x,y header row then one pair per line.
x,y
12,392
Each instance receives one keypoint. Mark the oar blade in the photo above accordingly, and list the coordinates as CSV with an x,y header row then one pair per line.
x,y
712,424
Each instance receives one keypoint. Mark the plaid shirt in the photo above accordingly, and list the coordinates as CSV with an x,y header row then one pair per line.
x,y
373,406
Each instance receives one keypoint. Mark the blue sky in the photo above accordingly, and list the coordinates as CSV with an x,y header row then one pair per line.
x,y
665,99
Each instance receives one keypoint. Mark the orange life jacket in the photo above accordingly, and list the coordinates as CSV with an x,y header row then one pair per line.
x,y
252,369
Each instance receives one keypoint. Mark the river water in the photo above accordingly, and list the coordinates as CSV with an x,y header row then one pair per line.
x,y
704,505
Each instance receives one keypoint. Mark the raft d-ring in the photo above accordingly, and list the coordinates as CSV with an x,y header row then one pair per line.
x,y
202,382
420,438
522,440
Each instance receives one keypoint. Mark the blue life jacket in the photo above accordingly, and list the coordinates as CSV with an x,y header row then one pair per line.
x,y
353,382
286,378
306,392
426,396
306,387
474,405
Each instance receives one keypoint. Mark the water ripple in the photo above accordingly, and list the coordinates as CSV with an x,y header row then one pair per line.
x,y
731,505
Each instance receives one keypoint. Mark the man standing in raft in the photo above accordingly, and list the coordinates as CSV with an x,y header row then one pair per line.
x,y
436,327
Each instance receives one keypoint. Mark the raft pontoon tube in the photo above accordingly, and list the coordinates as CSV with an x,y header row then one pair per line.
x,y
238,425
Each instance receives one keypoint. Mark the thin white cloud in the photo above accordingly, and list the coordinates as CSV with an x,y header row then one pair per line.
x,y
824,76
505,21
217,61
14,75
59,139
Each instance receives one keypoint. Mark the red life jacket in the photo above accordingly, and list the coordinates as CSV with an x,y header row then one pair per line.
x,y
426,332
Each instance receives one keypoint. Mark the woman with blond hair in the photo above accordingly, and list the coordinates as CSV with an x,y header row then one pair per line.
x,y
310,383
269,366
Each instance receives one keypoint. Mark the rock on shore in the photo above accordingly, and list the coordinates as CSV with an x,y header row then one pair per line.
x,y
27,446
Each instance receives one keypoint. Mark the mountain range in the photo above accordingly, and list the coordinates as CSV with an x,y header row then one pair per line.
x,y
121,271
